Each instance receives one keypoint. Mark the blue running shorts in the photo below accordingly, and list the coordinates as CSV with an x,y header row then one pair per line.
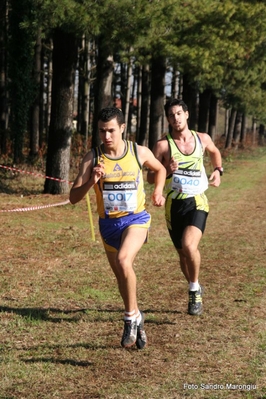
x,y
111,229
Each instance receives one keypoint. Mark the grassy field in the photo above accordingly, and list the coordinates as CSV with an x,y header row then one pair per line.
x,y
61,314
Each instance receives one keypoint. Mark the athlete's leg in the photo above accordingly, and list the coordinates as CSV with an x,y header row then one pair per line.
x,y
189,254
121,263
183,264
190,261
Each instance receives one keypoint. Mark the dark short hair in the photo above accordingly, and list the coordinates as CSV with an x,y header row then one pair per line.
x,y
172,102
109,113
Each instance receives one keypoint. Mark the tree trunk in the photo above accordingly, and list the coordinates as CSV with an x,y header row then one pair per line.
x,y
144,113
58,156
261,134
20,74
229,136
175,86
237,129
204,109
190,97
85,71
157,100
103,86
254,131
42,91
47,113
213,117
35,111
123,85
3,77
127,130
243,130
133,106
226,121
139,101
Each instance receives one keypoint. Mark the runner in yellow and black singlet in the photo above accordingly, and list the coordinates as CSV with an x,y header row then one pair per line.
x,y
186,209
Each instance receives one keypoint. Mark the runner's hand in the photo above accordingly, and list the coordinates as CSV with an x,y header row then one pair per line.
x,y
158,199
98,172
173,165
215,179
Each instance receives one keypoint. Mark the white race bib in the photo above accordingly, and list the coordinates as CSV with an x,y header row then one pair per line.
x,y
120,196
189,181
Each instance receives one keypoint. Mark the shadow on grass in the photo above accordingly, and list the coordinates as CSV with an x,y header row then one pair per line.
x,y
70,362
46,314
7,188
91,346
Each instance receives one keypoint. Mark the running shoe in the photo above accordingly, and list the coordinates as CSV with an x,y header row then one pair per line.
x,y
141,335
195,307
129,336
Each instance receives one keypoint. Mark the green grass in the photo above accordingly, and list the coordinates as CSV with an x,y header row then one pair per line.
x,y
60,311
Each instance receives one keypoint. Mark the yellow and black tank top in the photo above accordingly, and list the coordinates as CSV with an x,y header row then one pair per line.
x,y
190,179
121,191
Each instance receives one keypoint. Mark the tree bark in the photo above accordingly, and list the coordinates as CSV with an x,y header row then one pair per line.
x,y
128,97
84,88
190,97
175,85
65,53
213,116
157,100
20,74
139,101
47,108
204,109
254,131
3,77
229,136
103,86
237,129
144,113
35,109
243,130
261,135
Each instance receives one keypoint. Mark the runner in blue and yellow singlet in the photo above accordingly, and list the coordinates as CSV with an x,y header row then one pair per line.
x,y
186,208
114,170
119,194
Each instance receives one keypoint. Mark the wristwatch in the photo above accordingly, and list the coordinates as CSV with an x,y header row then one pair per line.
x,y
221,170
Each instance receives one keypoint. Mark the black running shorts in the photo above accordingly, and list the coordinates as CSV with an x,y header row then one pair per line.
x,y
184,213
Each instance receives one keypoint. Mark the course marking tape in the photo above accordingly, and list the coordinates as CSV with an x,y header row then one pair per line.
x,y
34,174
34,208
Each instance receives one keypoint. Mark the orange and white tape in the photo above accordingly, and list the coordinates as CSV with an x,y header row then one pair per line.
x,y
34,174
34,208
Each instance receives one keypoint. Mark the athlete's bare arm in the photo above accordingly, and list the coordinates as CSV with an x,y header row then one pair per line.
x,y
87,177
147,159
215,156
162,154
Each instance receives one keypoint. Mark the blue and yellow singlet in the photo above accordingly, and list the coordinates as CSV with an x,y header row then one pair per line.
x,y
121,191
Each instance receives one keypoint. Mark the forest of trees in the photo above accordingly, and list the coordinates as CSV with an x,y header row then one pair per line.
x,y
61,61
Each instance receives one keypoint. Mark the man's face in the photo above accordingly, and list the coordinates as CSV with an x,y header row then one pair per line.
x,y
177,117
110,132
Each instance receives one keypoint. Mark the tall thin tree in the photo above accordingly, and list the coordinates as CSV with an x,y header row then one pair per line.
x,y
65,53
157,99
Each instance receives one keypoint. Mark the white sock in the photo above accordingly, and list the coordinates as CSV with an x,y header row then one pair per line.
x,y
194,286
138,318
130,315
